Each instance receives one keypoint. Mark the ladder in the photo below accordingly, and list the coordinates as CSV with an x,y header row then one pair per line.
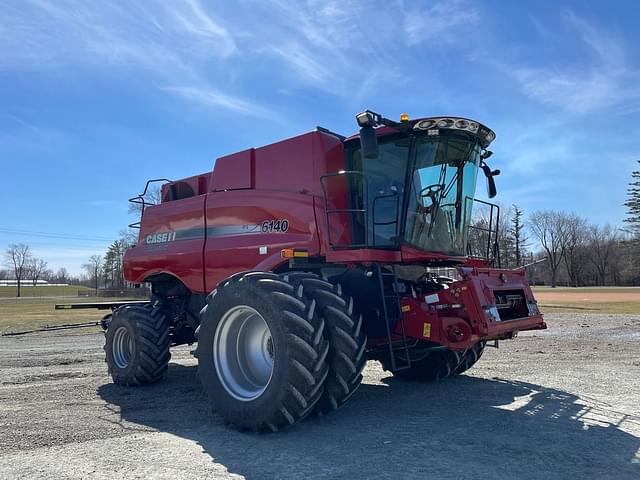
x,y
397,362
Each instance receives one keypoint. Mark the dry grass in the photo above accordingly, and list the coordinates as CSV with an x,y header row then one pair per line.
x,y
30,313
613,300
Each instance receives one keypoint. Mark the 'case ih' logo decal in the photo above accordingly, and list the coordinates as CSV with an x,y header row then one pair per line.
x,y
160,238
214,231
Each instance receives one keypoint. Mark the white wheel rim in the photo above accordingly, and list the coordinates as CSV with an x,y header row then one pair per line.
x,y
122,347
243,353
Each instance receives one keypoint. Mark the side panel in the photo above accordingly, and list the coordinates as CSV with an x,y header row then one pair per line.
x,y
171,241
245,228
234,172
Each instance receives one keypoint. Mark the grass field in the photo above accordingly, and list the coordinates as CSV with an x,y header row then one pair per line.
x,y
589,299
30,313
62,291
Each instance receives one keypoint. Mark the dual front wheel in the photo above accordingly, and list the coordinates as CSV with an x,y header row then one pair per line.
x,y
273,349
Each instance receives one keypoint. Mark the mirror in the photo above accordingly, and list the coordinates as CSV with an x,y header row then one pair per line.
x,y
368,142
491,183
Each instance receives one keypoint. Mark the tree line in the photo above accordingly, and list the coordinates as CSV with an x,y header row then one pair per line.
x,y
106,270
23,265
100,271
565,248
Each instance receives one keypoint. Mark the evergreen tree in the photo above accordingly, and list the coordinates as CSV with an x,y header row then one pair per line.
x,y
633,204
518,237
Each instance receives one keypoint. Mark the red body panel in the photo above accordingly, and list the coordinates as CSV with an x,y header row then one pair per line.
x,y
220,230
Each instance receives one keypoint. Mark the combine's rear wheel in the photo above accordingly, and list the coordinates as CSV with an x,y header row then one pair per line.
x,y
137,345
343,330
261,351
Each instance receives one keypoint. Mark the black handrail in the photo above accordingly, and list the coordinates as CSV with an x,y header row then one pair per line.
x,y
140,200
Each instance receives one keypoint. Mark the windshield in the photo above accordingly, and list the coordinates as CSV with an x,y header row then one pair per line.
x,y
437,191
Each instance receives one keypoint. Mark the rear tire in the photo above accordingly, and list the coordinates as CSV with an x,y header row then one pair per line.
x,y
261,351
470,357
435,366
347,341
137,345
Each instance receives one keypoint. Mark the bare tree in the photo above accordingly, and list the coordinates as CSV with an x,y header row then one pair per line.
x,y
152,197
62,275
35,268
17,257
549,227
93,267
602,244
573,246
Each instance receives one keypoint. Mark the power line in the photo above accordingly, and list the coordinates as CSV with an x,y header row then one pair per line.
x,y
55,235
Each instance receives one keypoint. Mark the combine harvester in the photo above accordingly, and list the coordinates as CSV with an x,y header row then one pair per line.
x,y
293,264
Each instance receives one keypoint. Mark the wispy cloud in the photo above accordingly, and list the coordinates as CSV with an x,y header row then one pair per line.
x,y
207,96
201,53
598,81
437,22
175,42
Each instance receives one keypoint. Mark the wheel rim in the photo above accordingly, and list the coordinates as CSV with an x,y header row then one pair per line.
x,y
243,353
122,347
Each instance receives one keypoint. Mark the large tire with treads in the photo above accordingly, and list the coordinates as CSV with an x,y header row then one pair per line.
x,y
262,354
137,345
343,330
435,366
470,357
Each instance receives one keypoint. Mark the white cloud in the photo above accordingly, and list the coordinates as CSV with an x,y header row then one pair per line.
x,y
175,42
438,22
210,97
599,81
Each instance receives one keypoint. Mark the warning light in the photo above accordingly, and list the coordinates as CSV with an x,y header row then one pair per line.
x,y
404,117
292,253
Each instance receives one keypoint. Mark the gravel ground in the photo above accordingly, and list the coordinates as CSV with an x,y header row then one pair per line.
x,y
564,403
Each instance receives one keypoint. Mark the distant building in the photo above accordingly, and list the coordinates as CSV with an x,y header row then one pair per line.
x,y
28,282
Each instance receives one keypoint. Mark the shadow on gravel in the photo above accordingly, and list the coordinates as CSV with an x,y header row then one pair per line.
x,y
463,427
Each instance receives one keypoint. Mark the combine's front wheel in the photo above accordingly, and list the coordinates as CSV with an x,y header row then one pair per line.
x,y
261,351
137,345
344,333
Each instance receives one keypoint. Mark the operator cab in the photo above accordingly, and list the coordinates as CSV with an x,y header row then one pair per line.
x,y
409,183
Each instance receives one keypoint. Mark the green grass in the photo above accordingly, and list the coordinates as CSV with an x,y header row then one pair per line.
x,y
30,292
29,313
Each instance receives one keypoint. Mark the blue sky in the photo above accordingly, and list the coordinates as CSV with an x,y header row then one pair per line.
x,y
96,97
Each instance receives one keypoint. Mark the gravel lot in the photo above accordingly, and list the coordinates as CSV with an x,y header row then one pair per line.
x,y
564,403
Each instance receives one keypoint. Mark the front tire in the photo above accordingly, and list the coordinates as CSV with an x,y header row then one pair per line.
x,y
347,341
261,351
137,345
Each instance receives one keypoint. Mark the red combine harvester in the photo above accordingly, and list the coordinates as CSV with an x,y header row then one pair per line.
x,y
294,263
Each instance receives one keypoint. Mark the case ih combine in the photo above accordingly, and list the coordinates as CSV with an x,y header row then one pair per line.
x,y
293,264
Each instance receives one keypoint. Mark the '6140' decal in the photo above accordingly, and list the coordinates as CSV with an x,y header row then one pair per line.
x,y
280,226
